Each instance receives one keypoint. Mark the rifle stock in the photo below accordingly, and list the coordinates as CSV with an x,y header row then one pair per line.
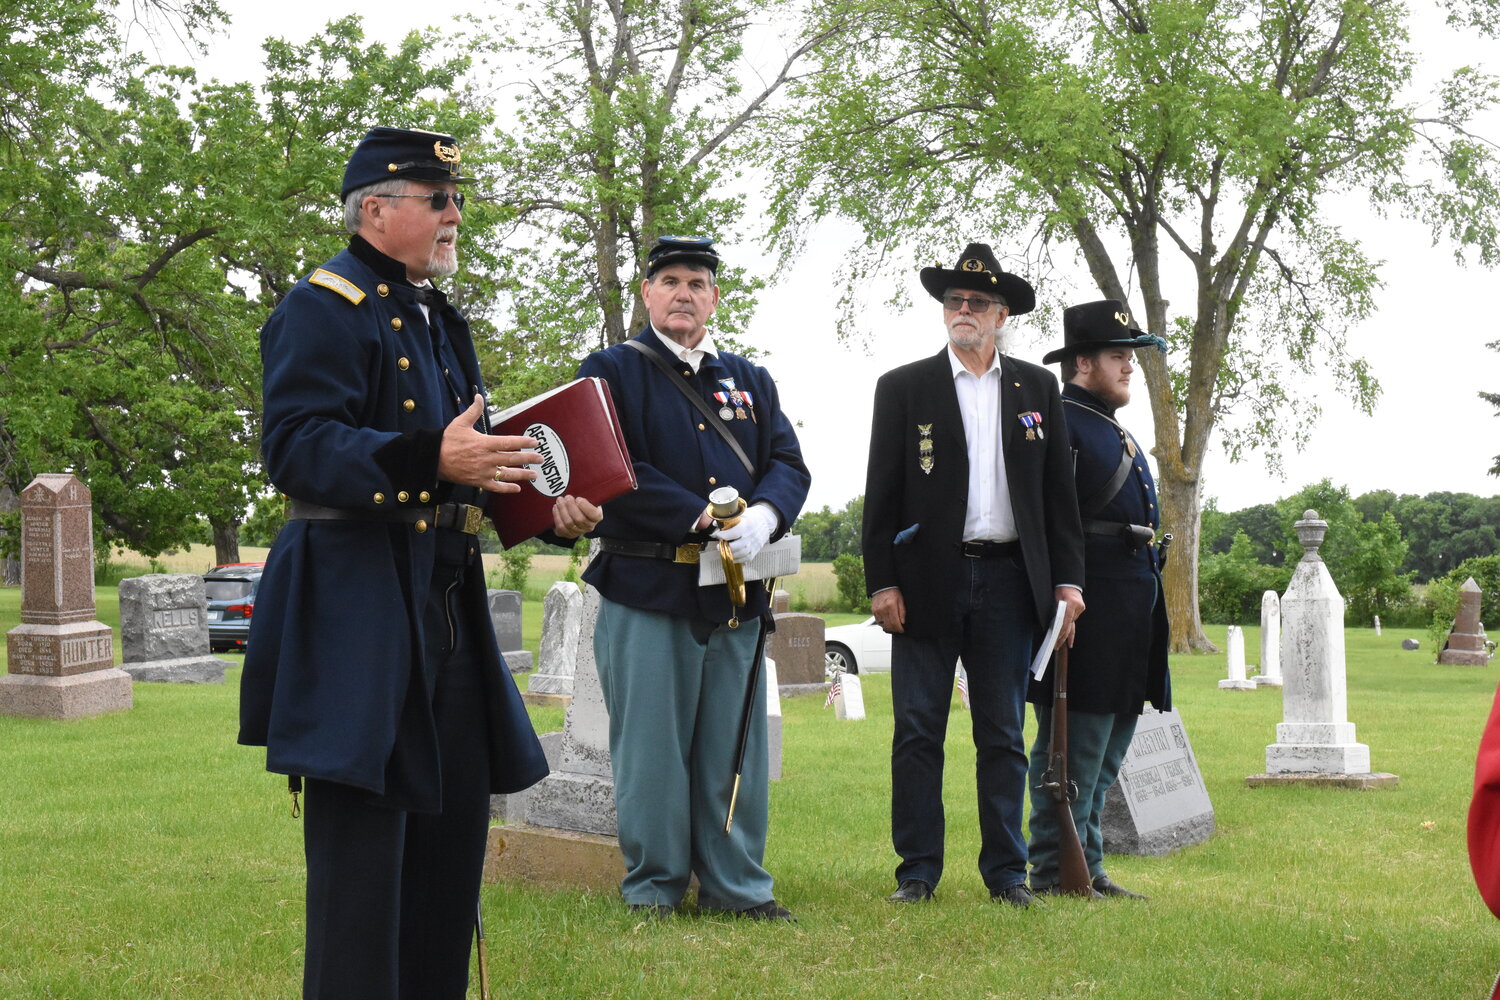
x,y
1073,870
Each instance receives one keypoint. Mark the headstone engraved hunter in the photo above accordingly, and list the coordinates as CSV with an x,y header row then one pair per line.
x,y
1235,659
164,630
1270,641
505,615
1315,743
1465,645
797,648
562,617
61,659
1159,802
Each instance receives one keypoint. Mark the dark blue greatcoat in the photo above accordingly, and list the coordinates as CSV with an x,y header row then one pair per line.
x,y
679,460
355,402
1119,657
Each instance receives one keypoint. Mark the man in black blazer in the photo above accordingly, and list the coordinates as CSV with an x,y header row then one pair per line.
x,y
971,537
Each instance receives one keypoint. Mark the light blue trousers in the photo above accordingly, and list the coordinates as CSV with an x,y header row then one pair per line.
x,y
675,689
1096,748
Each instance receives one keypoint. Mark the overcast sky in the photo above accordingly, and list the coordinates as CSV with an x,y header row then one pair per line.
x,y
1426,345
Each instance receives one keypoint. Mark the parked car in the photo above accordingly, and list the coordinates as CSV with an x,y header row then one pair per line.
x,y
864,648
230,590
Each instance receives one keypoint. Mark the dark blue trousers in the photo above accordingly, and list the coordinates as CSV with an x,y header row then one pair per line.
x,y
392,895
992,627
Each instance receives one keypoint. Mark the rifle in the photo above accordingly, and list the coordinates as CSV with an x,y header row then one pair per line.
x,y
1073,870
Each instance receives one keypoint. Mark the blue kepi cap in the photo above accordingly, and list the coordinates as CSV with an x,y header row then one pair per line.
x,y
402,152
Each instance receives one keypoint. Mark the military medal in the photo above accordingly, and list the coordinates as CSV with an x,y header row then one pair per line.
x,y
924,448
1032,421
725,413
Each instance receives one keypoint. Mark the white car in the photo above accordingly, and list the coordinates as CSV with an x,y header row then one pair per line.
x,y
864,648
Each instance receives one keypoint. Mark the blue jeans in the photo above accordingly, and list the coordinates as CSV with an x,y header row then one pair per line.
x,y
1097,744
992,626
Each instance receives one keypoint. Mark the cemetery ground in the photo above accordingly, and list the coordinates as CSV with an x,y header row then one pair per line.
x,y
146,855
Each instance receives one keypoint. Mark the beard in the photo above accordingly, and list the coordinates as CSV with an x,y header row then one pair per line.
x,y
443,261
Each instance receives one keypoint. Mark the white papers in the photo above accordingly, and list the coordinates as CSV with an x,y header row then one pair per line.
x,y
782,557
1044,651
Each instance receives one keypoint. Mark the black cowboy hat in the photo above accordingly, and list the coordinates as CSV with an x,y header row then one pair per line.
x,y
402,152
977,269
1097,325
698,250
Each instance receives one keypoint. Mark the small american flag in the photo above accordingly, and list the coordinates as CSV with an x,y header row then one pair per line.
x,y
834,691
963,686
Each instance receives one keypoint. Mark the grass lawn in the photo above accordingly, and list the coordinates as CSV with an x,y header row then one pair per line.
x,y
145,855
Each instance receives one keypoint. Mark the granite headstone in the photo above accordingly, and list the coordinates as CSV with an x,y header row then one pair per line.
x,y
797,648
1159,802
164,630
562,618
505,615
1466,640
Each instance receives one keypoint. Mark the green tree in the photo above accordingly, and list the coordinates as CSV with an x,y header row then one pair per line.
x,y
1363,557
827,534
1231,583
1199,138
849,575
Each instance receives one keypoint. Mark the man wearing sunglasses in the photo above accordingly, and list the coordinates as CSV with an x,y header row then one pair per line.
x,y
971,537
372,675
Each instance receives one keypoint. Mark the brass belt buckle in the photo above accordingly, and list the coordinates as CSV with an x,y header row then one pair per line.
x,y
687,554
473,518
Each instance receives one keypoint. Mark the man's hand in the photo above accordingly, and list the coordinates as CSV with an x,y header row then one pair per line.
x,y
574,517
749,536
889,609
489,461
1074,601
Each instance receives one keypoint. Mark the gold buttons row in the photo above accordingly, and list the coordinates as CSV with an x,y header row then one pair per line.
x,y
404,496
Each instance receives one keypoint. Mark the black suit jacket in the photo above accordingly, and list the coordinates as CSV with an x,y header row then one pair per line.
x,y
926,507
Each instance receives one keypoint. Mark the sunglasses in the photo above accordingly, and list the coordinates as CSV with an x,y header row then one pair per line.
x,y
437,199
953,303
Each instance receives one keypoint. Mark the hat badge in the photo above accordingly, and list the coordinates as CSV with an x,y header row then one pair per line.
x,y
1123,317
972,264
446,154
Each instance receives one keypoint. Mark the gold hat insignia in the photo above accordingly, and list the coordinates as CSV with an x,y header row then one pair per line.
x,y
1123,317
973,264
447,154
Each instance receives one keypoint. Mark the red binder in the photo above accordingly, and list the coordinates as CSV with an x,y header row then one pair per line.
x,y
583,451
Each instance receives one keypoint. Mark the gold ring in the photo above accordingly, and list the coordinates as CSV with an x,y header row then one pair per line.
x,y
498,479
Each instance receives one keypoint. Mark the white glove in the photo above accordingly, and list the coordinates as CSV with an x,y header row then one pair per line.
x,y
747,538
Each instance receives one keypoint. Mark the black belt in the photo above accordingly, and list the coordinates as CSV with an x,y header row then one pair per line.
x,y
1134,535
989,550
652,550
454,516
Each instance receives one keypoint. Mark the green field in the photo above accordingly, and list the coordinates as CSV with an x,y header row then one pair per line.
x,y
145,855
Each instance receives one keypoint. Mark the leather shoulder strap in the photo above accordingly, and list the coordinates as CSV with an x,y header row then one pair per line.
x,y
1093,504
698,401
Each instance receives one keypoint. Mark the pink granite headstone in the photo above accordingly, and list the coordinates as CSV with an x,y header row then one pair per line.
x,y
1465,645
61,659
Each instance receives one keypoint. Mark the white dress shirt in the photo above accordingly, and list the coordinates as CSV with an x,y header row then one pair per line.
x,y
988,515
691,356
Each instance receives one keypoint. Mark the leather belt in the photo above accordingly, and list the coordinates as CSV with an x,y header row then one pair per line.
x,y
989,550
652,550
1134,535
453,516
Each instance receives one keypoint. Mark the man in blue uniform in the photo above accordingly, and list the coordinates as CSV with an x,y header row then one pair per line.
x,y
1119,656
970,540
371,671
676,659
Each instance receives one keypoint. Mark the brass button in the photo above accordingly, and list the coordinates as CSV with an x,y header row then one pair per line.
x,y
403,496
421,526
403,363
380,498
424,496
391,167
700,427
409,405
382,289
396,322
712,481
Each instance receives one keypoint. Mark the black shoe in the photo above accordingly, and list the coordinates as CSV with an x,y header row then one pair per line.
x,y
1105,887
911,890
769,910
651,911
1056,890
1016,895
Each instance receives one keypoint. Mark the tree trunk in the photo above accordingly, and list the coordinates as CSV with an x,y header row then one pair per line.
x,y
226,541
1179,495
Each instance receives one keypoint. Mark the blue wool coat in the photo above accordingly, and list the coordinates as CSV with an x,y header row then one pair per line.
x,y
679,460
355,404
1119,656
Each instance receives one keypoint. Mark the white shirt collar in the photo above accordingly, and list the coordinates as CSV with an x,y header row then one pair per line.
x,y
957,364
690,355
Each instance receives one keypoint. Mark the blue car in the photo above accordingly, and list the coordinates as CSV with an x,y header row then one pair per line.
x,y
230,590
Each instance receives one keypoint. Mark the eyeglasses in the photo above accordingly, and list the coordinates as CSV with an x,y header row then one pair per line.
x,y
976,306
437,199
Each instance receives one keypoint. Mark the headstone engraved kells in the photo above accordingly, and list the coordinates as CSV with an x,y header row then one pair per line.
x,y
164,630
61,659
1159,802
1466,640
797,648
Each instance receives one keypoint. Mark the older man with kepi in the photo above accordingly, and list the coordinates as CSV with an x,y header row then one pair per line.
x,y
677,660
371,672
1119,657
970,540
